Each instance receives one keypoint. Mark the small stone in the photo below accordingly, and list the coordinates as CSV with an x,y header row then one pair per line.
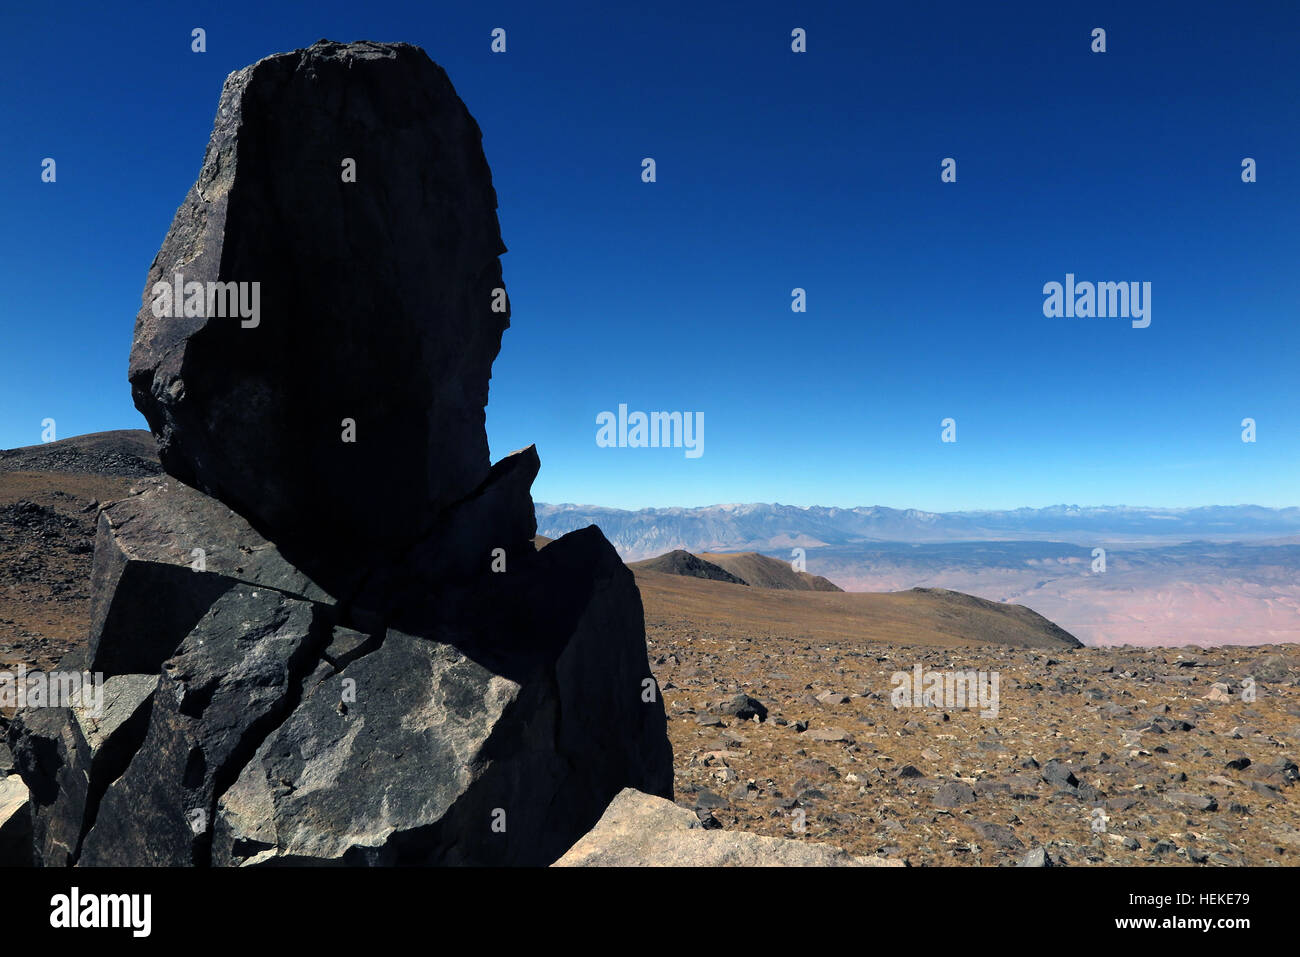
x,y
1037,857
831,735
999,835
1197,802
744,707
832,698
707,800
954,794
1057,773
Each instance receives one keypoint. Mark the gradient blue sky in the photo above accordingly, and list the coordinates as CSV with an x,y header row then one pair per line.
x,y
775,170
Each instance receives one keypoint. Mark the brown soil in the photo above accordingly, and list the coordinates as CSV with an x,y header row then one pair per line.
x,y
1157,765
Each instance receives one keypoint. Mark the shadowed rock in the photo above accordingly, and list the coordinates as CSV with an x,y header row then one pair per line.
x,y
146,595
376,302
461,750
484,532
54,760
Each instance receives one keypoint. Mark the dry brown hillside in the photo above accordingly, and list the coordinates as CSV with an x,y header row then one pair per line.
x,y
681,562
763,571
919,617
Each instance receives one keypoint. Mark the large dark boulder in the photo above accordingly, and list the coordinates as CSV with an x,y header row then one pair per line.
x,y
330,652
376,302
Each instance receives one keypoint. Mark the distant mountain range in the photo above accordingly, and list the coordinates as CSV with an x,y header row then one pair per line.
x,y
649,532
1109,575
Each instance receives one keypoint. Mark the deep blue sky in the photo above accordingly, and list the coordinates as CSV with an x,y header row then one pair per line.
x,y
775,170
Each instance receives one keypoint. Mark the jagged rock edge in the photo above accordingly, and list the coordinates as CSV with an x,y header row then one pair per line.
x,y
324,619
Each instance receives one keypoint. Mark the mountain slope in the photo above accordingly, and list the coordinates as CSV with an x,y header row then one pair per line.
x,y
763,571
679,562
130,453
918,617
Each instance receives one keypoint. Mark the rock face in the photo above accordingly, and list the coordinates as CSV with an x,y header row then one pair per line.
x,y
643,830
54,761
374,302
169,553
331,652
461,752
69,755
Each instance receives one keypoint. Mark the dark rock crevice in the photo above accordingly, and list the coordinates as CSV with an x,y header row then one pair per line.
x,y
111,761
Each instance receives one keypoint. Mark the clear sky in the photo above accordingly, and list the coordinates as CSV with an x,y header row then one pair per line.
x,y
775,170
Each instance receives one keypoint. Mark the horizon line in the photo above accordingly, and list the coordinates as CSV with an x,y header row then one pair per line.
x,y
893,508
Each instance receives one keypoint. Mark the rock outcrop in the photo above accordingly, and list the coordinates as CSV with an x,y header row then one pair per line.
x,y
330,641
374,302
647,831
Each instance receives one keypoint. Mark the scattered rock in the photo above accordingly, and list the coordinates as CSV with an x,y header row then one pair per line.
x,y
1197,802
1037,857
832,735
999,835
954,794
744,707
1057,773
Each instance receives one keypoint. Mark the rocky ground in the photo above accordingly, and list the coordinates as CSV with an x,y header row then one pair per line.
x,y
1096,756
